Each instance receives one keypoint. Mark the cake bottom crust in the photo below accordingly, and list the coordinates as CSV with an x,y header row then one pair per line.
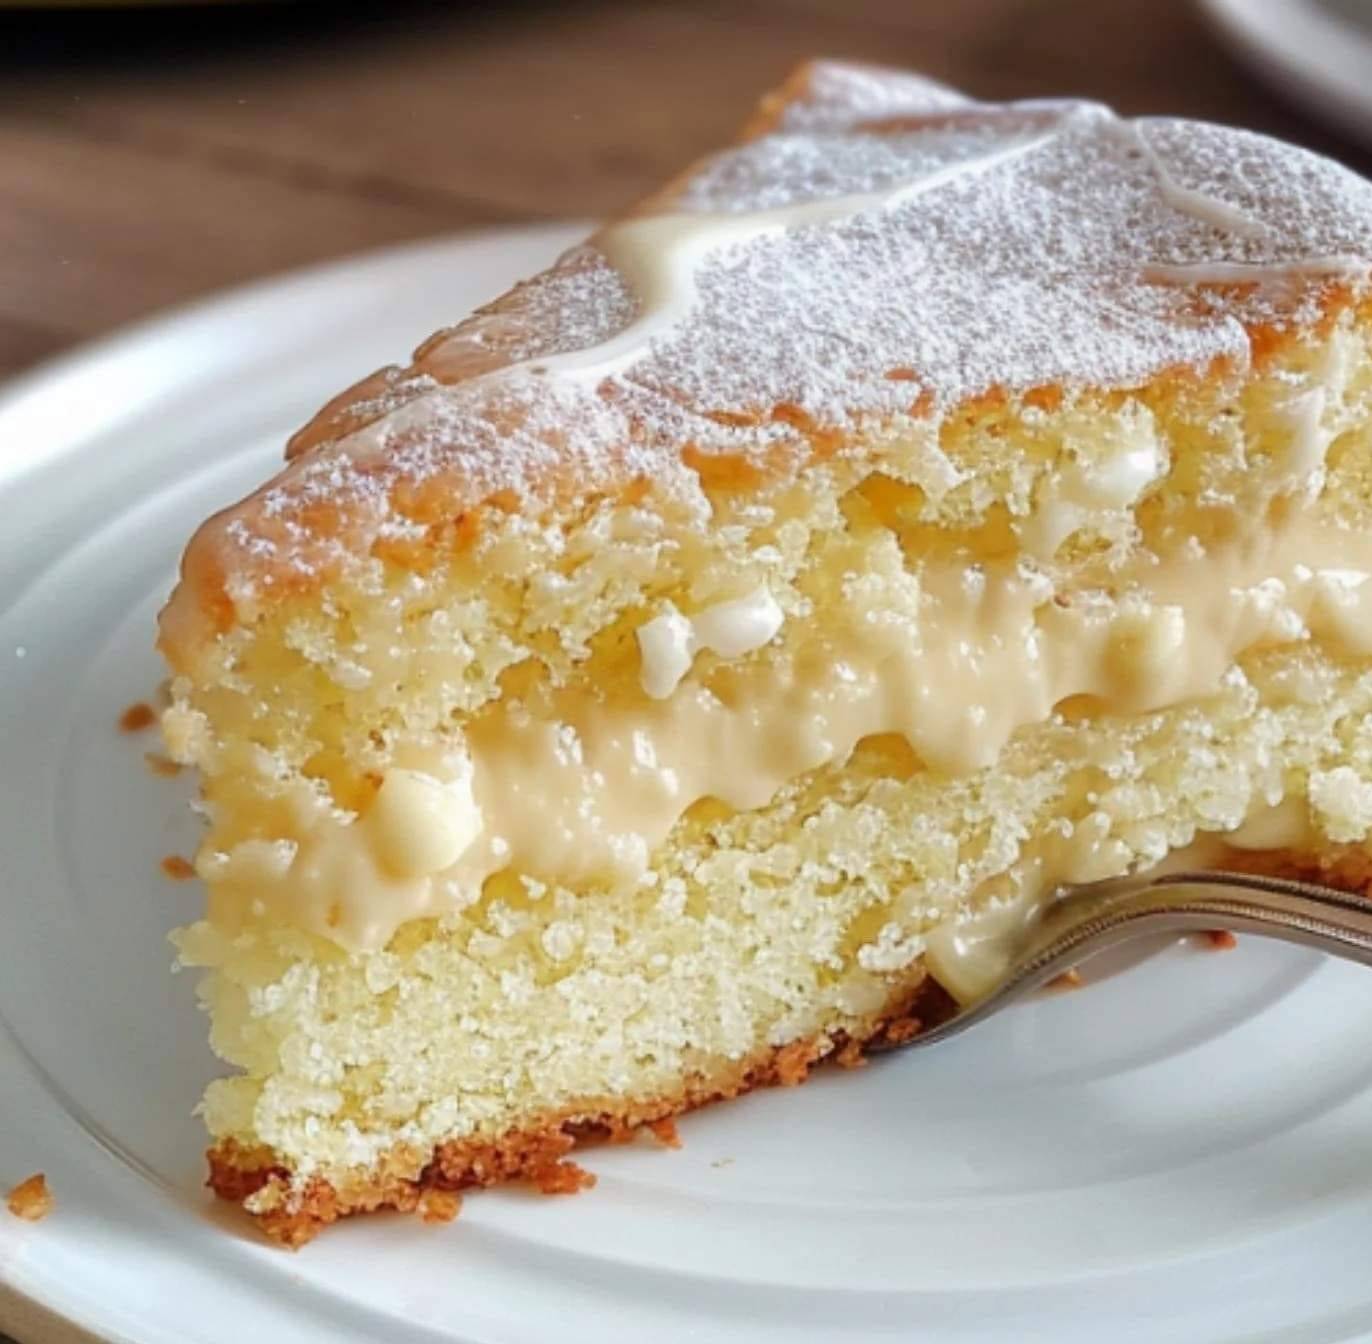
x,y
406,1180
293,1213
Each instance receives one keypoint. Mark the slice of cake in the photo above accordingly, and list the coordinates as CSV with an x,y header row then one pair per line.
x,y
694,664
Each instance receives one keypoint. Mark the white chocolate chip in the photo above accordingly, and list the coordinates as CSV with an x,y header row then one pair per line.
x,y
669,642
734,628
1069,500
1145,642
422,825
1118,481
1309,444
666,644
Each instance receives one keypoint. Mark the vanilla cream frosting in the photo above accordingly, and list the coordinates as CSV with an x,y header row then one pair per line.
x,y
885,251
582,791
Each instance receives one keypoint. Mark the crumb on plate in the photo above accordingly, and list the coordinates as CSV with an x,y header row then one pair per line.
x,y
31,1199
137,717
901,1030
439,1206
665,1132
563,1178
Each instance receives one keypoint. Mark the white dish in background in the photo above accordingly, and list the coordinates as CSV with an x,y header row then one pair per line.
x,y
1319,52
1180,1153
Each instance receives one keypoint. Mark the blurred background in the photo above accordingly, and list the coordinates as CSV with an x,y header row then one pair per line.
x,y
150,155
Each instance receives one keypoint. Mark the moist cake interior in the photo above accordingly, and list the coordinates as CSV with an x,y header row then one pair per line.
x,y
635,699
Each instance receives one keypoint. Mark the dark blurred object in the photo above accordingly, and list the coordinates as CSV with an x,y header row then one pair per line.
x,y
117,30
150,155
1317,52
111,4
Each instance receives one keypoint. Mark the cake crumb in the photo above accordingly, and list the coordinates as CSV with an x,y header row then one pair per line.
x,y
721,1162
1221,940
851,1056
901,1030
439,1206
1069,979
137,717
177,868
161,765
563,1178
665,1132
793,1062
31,1199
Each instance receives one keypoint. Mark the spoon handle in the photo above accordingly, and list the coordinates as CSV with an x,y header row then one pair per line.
x,y
1092,918
1276,907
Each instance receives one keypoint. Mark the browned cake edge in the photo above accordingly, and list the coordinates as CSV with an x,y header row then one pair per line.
x,y
538,1151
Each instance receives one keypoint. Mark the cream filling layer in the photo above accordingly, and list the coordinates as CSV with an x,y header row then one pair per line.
x,y
583,792
969,957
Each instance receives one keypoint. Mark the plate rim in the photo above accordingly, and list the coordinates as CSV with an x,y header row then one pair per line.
x,y
90,356
26,1318
29,1314
1307,53
26,1312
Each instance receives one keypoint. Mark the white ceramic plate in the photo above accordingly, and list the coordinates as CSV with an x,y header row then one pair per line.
x,y
1319,52
1181,1153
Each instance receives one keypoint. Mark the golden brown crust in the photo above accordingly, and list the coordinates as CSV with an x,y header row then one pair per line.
x,y
451,516
768,114
538,1152
299,550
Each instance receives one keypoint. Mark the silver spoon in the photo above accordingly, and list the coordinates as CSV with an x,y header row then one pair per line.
x,y
1089,919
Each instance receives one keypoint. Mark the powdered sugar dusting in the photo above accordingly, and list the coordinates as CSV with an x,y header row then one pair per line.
x,y
886,223
838,95
786,169
579,303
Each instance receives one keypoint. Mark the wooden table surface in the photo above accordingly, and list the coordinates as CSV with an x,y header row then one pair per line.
x,y
150,156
